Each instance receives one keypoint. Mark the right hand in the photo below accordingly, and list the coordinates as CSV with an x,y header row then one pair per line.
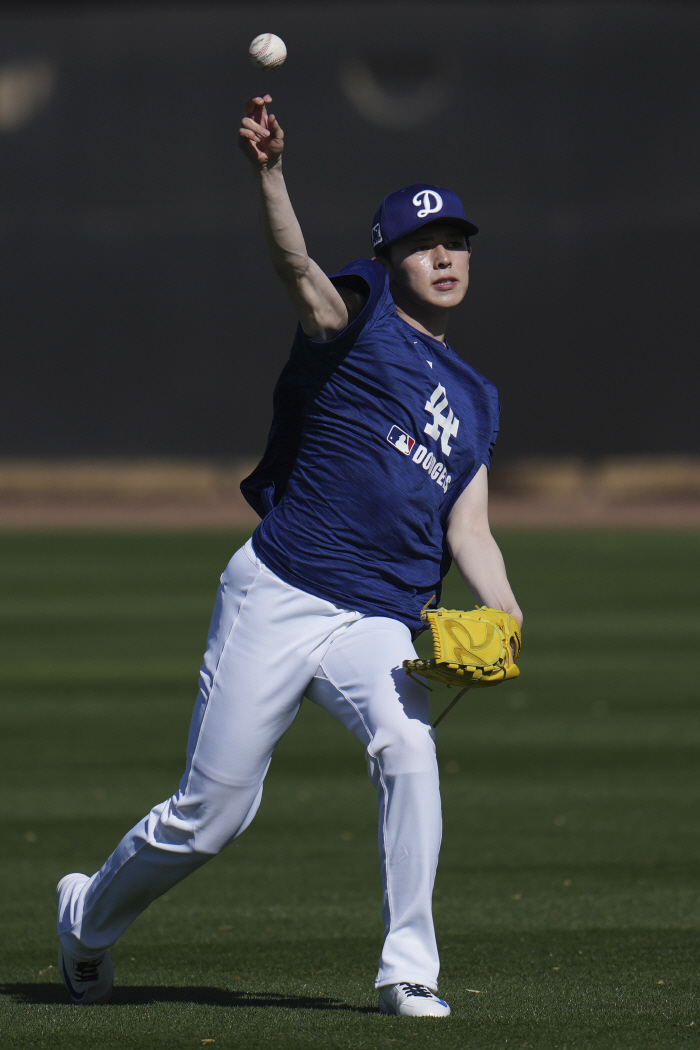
x,y
260,136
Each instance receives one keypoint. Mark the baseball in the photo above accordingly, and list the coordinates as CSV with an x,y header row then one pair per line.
x,y
267,51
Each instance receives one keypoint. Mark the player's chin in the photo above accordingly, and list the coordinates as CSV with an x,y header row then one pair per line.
x,y
449,295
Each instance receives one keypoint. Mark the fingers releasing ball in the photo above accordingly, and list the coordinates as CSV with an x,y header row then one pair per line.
x,y
267,51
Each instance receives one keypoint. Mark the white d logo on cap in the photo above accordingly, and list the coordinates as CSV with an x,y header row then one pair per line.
x,y
424,199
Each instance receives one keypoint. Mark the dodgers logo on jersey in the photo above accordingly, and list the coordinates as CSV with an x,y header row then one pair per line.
x,y
428,201
434,469
448,424
400,440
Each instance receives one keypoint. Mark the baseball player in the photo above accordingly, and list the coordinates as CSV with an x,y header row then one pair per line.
x,y
374,479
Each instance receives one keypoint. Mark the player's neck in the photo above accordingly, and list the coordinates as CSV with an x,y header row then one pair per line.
x,y
428,320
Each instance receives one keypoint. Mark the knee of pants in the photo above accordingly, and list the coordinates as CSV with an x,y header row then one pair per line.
x,y
205,817
405,748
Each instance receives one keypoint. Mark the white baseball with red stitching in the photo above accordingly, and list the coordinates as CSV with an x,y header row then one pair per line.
x,y
267,51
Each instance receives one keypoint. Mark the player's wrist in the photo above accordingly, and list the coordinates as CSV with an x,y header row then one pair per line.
x,y
270,172
272,167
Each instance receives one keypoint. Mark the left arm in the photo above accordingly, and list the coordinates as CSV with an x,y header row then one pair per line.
x,y
475,552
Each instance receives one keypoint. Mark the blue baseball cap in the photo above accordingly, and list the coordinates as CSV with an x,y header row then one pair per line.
x,y
414,206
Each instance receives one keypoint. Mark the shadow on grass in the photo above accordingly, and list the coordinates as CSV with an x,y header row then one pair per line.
x,y
138,995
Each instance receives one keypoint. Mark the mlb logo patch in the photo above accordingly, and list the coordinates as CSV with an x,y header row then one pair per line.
x,y
400,440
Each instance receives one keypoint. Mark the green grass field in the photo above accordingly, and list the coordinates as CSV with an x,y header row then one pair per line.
x,y
567,899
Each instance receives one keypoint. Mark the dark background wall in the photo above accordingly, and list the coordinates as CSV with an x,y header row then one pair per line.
x,y
139,313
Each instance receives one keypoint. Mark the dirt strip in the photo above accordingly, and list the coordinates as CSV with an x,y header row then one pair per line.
x,y
233,513
127,514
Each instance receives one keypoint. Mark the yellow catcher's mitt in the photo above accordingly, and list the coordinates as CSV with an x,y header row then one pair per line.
x,y
472,649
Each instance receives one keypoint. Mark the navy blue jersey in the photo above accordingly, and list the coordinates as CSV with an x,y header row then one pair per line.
x,y
374,436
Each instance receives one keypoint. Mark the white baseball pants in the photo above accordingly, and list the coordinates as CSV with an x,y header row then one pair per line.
x,y
269,645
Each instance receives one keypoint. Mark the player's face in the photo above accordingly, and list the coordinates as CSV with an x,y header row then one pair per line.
x,y
432,265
